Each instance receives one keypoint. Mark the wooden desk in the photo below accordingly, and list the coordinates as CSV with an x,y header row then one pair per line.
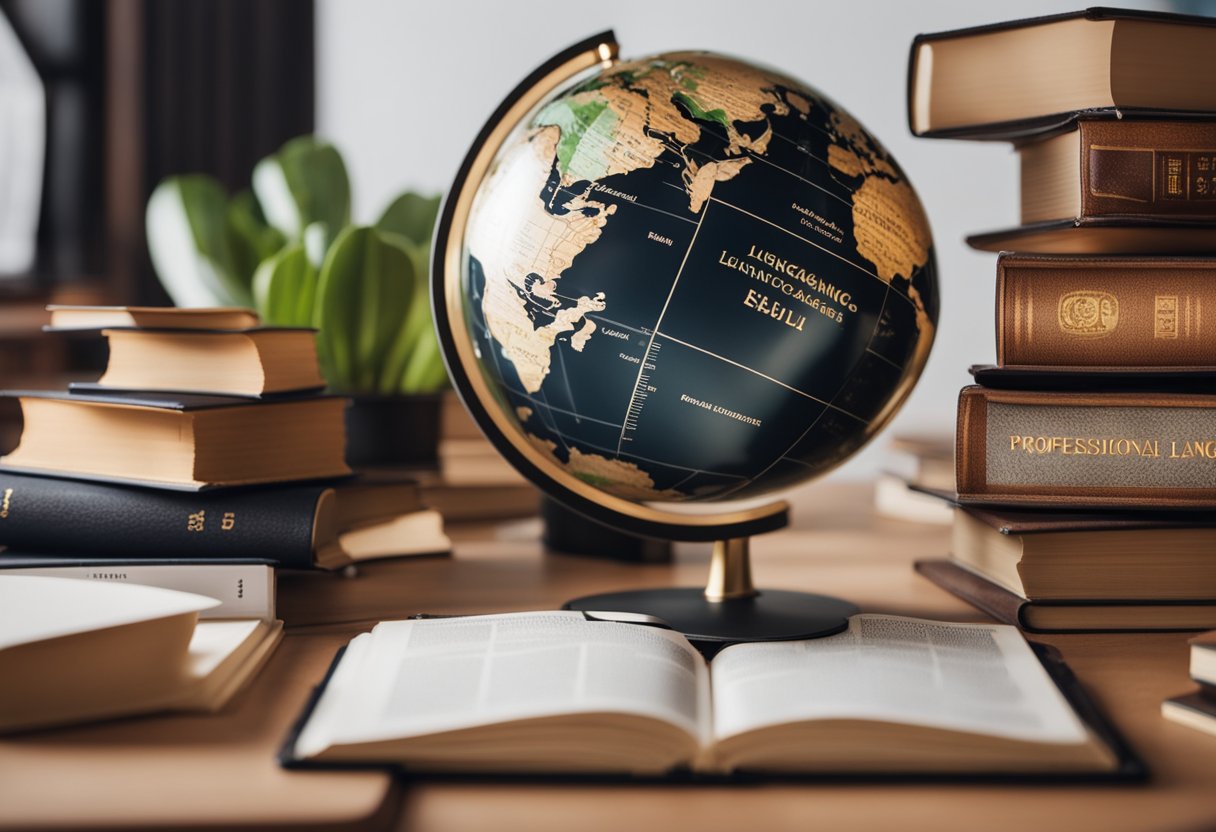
x,y
219,771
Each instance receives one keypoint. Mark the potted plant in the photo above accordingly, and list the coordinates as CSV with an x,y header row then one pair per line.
x,y
288,248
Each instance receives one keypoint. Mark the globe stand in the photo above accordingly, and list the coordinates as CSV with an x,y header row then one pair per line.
x,y
730,610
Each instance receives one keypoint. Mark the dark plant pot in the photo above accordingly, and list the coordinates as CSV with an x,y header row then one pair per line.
x,y
393,431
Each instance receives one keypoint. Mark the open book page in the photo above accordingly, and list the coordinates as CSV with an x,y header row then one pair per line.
x,y
976,678
410,678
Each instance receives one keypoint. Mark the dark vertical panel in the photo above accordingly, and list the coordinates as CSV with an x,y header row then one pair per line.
x,y
225,83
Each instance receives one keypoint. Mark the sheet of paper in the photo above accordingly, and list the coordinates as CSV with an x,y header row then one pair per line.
x,y
970,677
34,608
409,678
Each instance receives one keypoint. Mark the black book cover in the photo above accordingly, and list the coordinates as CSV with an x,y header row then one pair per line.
x,y
1096,379
73,517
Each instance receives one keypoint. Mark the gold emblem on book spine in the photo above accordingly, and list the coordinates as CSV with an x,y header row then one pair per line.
x,y
1165,316
1088,314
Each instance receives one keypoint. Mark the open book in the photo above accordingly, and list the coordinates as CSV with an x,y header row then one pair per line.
x,y
79,650
555,692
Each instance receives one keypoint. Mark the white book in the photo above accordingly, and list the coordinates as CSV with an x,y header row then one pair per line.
x,y
78,650
243,590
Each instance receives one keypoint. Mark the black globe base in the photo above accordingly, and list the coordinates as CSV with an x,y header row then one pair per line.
x,y
769,615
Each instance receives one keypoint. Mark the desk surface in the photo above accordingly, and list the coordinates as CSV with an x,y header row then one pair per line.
x,y
219,771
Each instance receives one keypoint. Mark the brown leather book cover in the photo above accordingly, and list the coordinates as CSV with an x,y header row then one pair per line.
x,y
1066,311
1086,450
1062,616
1128,168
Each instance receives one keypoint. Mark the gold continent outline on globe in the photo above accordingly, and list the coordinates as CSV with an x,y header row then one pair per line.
x,y
624,120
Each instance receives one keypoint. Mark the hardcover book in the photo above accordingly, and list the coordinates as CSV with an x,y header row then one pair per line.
x,y
1042,555
252,362
560,692
1101,235
1137,169
1125,312
1086,450
1192,710
243,587
187,442
1066,615
1197,709
295,526
1017,79
160,317
1113,379
75,651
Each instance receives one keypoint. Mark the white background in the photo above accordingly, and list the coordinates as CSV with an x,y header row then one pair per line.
x,y
403,87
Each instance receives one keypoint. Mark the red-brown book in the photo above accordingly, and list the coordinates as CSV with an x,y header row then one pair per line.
x,y
1086,450
1139,169
1061,311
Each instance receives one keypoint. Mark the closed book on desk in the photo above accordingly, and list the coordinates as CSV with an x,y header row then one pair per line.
x,y
1101,236
1045,555
244,588
1063,615
295,526
77,651
557,693
250,362
1091,450
1134,169
1197,709
1026,77
67,318
1132,312
189,442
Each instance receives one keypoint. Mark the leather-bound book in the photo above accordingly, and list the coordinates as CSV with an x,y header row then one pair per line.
x,y
1062,311
297,526
1132,169
1086,450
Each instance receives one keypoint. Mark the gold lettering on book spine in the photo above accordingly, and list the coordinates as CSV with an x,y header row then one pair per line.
x,y
1088,314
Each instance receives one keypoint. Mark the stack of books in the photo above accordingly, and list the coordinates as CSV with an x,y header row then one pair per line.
x,y
1198,708
1086,457
204,458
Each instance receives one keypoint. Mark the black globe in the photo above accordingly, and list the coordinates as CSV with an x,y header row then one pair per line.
x,y
683,278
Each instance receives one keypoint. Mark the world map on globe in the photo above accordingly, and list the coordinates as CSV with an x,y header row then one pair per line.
x,y
689,278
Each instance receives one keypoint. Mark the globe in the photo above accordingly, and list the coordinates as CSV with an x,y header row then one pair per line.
x,y
680,279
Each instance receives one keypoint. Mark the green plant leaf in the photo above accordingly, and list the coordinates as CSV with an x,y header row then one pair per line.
x,y
285,288
304,182
364,291
416,326
250,238
425,372
188,239
412,216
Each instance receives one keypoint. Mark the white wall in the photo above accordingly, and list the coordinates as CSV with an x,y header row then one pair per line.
x,y
403,87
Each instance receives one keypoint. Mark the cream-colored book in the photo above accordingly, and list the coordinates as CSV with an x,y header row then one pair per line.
x,y
547,692
77,651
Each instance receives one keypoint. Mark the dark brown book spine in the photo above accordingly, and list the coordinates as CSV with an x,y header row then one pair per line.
x,y
1106,311
1132,168
1086,450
